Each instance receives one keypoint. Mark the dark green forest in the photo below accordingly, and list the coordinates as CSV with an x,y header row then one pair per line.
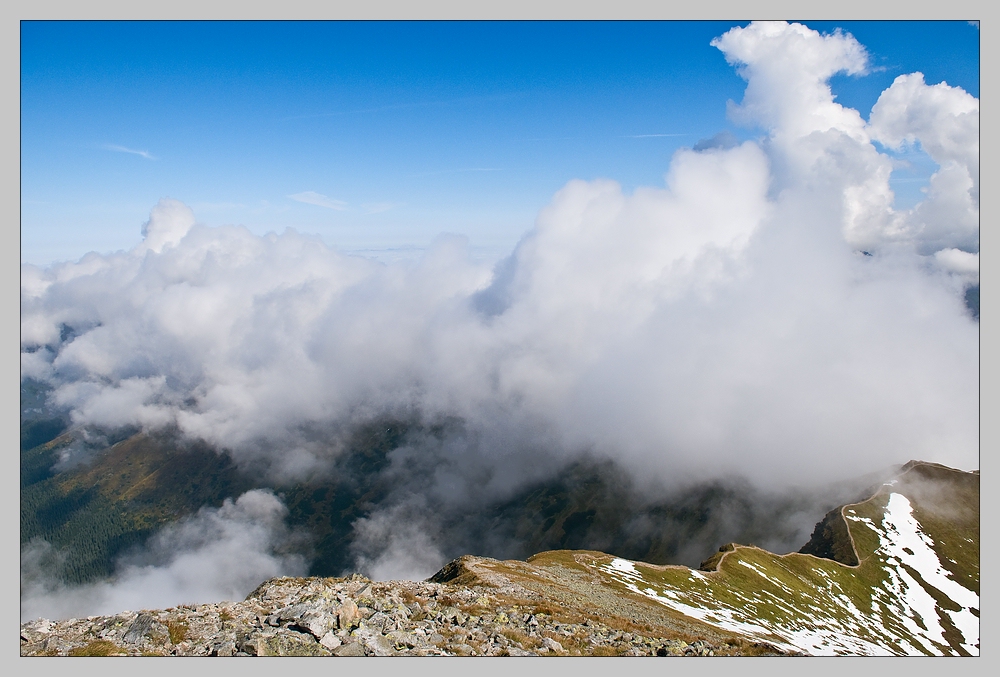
x,y
112,502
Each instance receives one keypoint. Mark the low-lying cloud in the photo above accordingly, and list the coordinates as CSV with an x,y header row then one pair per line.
x,y
767,314
218,554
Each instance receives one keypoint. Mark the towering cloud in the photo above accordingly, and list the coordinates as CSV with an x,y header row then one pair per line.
x,y
767,313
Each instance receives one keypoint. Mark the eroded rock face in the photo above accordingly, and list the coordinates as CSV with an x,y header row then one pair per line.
x,y
357,617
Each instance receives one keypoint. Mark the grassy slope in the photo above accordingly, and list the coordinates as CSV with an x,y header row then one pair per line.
x,y
820,606
97,511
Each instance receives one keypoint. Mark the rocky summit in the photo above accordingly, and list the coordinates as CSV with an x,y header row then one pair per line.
x,y
483,608
896,574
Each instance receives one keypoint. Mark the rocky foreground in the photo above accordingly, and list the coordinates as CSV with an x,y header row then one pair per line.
x,y
357,617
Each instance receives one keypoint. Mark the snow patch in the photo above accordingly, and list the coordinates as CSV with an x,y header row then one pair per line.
x,y
900,616
905,545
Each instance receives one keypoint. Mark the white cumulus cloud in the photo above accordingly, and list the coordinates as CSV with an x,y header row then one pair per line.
x,y
722,323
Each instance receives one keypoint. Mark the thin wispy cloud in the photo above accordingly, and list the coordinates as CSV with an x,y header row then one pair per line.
x,y
122,149
312,198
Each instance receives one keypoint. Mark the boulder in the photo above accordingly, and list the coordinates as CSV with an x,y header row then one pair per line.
x,y
295,611
347,614
381,622
330,641
552,644
316,623
224,649
284,644
139,628
378,644
352,649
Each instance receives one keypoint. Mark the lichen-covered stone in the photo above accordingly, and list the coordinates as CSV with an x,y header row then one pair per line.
x,y
497,613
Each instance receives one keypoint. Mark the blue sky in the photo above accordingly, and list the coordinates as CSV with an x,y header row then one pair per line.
x,y
388,134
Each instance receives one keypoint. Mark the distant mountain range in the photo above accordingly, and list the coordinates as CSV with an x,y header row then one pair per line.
x,y
896,574
893,570
112,491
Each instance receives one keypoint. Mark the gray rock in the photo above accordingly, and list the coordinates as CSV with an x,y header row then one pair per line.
x,y
514,651
381,622
552,644
139,628
290,613
316,623
375,643
224,649
252,645
56,644
317,618
407,639
283,644
330,641
352,649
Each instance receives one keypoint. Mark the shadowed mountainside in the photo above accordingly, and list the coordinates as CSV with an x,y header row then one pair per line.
x,y
111,499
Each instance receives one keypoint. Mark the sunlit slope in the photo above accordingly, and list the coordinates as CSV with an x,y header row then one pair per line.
x,y
914,591
99,509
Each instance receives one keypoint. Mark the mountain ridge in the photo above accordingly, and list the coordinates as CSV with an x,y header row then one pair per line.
x,y
592,603
109,500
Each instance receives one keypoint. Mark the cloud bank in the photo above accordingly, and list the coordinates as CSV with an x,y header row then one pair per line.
x,y
766,314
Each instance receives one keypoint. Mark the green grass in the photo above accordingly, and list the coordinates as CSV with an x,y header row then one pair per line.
x,y
99,647
178,631
774,595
